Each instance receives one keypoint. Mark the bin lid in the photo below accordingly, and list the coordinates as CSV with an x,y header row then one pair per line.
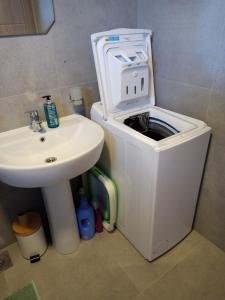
x,y
26,224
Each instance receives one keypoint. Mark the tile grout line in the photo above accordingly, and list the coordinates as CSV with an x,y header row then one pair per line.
x,y
174,266
90,82
166,272
183,83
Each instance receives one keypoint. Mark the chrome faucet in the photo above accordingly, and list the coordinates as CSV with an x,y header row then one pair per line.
x,y
35,122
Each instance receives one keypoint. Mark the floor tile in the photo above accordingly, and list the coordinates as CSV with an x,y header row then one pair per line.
x,y
143,297
200,276
87,273
143,273
4,291
109,267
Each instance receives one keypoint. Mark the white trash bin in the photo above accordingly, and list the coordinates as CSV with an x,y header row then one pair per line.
x,y
30,235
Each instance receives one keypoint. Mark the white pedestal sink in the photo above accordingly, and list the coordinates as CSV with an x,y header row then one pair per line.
x,y
48,160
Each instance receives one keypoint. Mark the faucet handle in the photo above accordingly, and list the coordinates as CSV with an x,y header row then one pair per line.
x,y
35,122
34,115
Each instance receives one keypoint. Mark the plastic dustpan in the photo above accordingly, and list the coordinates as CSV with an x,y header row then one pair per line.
x,y
103,195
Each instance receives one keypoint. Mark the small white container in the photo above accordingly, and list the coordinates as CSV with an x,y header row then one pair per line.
x,y
30,234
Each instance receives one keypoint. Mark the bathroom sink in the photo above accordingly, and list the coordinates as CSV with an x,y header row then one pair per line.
x,y
33,159
48,160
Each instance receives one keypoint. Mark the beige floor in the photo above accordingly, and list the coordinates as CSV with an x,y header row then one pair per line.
x,y
108,267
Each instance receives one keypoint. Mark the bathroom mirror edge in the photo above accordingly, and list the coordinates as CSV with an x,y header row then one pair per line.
x,y
26,17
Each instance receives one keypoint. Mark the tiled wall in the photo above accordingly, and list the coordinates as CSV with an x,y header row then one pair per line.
x,y
189,57
33,66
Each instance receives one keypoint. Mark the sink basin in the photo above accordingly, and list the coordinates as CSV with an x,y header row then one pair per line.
x,y
25,156
48,160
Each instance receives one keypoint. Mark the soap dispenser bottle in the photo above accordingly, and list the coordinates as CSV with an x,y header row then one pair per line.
x,y
51,112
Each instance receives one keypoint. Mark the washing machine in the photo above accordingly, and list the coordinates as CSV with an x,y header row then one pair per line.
x,y
155,156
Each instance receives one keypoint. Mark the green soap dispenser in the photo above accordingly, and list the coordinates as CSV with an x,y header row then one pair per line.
x,y
51,112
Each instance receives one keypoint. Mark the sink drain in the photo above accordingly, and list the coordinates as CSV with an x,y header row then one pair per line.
x,y
50,159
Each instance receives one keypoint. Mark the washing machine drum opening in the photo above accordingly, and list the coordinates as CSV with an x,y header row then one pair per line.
x,y
151,127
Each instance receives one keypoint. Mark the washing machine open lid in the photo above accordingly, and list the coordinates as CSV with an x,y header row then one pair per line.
x,y
123,61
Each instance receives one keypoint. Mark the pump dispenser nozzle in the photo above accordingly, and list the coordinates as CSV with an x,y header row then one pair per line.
x,y
47,99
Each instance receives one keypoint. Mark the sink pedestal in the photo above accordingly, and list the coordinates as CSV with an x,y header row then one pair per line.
x,y
62,217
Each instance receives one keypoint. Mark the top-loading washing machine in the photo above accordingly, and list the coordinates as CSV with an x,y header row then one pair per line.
x,y
155,156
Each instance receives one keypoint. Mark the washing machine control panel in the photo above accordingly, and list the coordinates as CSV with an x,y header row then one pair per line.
x,y
128,73
123,63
